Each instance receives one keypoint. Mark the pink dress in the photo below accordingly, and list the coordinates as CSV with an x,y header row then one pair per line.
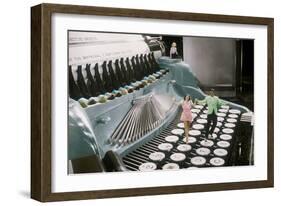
x,y
186,112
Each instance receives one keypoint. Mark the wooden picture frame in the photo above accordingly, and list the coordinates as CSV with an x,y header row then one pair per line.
x,y
41,97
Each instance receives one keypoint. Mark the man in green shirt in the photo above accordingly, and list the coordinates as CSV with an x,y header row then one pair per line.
x,y
213,103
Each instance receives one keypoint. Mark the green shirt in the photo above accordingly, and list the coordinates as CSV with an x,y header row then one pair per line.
x,y
213,103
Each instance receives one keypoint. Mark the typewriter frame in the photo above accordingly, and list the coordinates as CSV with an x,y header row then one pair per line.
x,y
41,101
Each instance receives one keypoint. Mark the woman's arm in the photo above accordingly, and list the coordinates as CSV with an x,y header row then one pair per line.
x,y
191,102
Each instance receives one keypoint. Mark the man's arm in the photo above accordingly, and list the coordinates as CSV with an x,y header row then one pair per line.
x,y
201,102
221,102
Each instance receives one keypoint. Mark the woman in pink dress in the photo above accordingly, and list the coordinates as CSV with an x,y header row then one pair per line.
x,y
186,115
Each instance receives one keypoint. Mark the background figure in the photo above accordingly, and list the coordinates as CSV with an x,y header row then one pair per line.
x,y
213,103
173,51
186,115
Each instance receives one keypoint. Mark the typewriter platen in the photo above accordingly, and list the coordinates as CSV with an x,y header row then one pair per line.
x,y
124,106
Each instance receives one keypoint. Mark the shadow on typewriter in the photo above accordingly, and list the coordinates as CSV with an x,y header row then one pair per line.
x,y
91,164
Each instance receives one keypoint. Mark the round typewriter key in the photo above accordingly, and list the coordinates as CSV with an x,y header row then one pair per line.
x,y
191,140
201,121
207,143
145,82
141,85
195,110
156,75
194,132
123,91
223,144
152,78
157,156
177,157
226,137
223,110
205,111
203,116
92,101
203,151
198,161
198,126
228,131
172,139
221,114
180,125
109,96
225,107
147,166
198,106
220,119
83,102
135,85
115,92
230,120
217,161
233,116
165,147
177,131
130,89
171,166
220,152
184,148
234,111
229,125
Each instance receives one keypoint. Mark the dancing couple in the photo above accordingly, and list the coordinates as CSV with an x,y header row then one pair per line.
x,y
213,103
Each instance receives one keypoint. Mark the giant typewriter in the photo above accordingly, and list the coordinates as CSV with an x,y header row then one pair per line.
x,y
124,110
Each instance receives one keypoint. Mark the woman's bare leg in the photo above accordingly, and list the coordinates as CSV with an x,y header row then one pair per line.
x,y
186,128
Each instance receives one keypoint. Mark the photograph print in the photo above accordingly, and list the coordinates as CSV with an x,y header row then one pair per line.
x,y
152,102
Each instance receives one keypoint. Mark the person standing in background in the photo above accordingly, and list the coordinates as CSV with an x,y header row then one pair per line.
x,y
213,103
186,115
173,51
